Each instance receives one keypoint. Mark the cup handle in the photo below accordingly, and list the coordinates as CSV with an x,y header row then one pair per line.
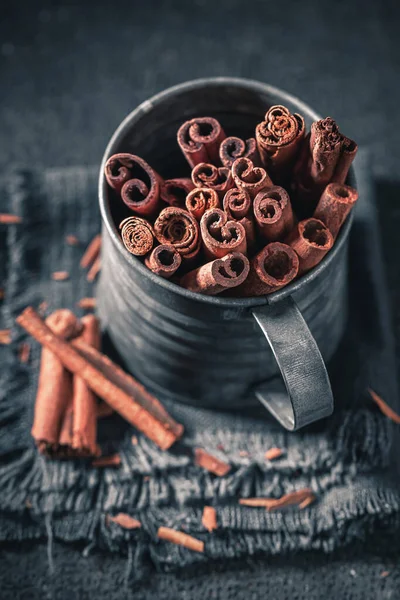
x,y
308,396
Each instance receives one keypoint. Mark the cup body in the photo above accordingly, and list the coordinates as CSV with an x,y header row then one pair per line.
x,y
195,349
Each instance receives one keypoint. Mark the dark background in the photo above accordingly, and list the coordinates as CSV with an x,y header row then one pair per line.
x,y
69,73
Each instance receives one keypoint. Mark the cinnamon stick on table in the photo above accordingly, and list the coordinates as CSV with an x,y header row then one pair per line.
x,y
152,424
91,252
180,538
211,463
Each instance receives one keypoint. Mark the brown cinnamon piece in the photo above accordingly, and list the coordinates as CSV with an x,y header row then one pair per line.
x,y
311,240
275,503
55,385
271,269
349,151
125,521
273,213
84,423
7,219
157,429
94,270
91,252
279,138
24,352
72,240
218,275
250,178
5,336
209,518
87,303
221,236
180,229
199,139
164,260
273,454
180,538
211,463
137,235
142,193
232,148
174,191
60,276
336,202
64,447
238,206
215,178
114,460
201,199
385,408
119,169
307,501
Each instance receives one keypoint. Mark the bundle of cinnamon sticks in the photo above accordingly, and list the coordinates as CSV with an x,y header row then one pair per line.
x,y
252,216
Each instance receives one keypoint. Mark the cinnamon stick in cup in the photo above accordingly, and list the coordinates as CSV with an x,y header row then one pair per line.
x,y
178,228
141,193
55,385
164,260
238,206
118,170
200,139
250,178
220,236
232,148
210,176
333,207
273,213
174,191
271,269
218,275
201,199
311,240
137,235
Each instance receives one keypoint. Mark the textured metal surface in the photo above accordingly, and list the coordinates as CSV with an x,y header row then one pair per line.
x,y
191,348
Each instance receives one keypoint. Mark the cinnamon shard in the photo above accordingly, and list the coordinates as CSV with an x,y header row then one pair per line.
x,y
91,252
164,260
232,148
200,139
94,270
300,497
250,178
209,518
24,352
137,235
72,240
215,178
141,193
218,275
384,408
271,269
7,219
273,213
307,501
60,275
5,336
174,191
336,202
273,454
201,199
114,460
178,228
221,236
87,303
125,521
211,463
180,539
311,240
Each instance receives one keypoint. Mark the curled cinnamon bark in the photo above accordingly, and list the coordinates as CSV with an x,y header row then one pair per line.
x,y
218,179
174,191
137,235
349,151
201,199
233,147
311,240
220,236
178,228
118,170
336,202
237,205
141,193
273,213
279,138
271,269
54,387
164,260
250,178
199,139
218,275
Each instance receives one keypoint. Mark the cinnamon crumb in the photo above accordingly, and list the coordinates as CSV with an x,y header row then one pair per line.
x,y
7,219
114,460
210,463
243,453
209,518
180,538
385,574
72,240
60,275
273,453
134,440
87,303
124,520
5,336
24,352
384,408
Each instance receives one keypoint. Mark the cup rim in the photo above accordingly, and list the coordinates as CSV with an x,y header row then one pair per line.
x,y
136,264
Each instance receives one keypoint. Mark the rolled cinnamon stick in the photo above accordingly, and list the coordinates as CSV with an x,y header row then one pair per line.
x,y
141,193
273,213
311,240
237,205
91,252
164,260
178,228
137,235
250,178
220,236
210,176
349,151
218,275
118,170
174,191
271,269
279,138
232,148
336,202
201,199
55,385
127,406
199,139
